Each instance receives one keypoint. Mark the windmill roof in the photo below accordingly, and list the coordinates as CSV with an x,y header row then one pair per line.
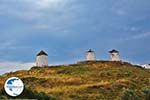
x,y
113,51
90,51
42,53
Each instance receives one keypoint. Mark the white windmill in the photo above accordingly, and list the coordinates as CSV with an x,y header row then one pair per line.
x,y
114,55
42,59
90,55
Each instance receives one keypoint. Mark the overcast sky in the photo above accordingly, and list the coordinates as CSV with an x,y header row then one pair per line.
x,y
66,29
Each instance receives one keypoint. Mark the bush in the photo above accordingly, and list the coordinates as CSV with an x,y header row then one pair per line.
x,y
129,95
147,94
27,94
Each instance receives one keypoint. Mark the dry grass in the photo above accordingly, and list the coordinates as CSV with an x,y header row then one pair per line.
x,y
99,80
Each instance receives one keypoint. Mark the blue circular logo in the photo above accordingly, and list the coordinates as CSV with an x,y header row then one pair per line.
x,y
14,86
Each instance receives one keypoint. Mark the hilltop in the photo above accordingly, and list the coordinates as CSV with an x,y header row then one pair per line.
x,y
96,80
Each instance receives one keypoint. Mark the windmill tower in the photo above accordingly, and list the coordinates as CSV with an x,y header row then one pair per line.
x,y
90,55
42,59
114,55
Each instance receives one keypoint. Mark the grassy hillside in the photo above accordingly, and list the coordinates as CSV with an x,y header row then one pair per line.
x,y
99,80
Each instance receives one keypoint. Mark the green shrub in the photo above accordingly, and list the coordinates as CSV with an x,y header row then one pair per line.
x,y
27,94
129,95
147,94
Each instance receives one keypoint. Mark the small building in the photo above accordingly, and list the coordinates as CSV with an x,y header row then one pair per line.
x,y
90,55
114,55
146,66
42,59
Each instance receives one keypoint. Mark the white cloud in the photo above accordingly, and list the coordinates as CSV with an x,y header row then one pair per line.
x,y
41,26
6,44
133,28
8,66
49,3
12,45
139,36
120,12
135,37
49,15
31,9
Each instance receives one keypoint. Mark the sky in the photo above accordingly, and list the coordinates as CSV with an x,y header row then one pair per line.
x,y
66,29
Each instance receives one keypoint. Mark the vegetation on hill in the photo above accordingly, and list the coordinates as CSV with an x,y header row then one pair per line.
x,y
27,94
96,80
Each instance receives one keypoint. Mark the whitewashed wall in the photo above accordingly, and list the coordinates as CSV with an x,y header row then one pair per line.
x,y
114,57
90,56
146,66
42,61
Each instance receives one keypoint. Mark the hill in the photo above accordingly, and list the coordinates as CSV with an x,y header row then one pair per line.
x,y
96,80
